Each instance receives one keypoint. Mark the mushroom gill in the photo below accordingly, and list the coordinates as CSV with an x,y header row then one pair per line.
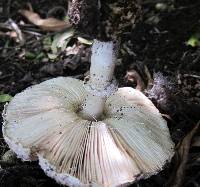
x,y
129,140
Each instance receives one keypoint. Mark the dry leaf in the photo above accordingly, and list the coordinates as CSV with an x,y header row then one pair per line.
x,y
49,24
177,177
196,142
133,76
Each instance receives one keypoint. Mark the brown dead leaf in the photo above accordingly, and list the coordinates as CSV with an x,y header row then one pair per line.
x,y
167,116
181,158
48,24
196,142
133,76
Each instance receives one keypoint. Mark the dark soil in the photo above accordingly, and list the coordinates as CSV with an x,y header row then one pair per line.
x,y
157,43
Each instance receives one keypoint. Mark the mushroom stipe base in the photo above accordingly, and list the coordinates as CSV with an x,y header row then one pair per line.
x,y
132,140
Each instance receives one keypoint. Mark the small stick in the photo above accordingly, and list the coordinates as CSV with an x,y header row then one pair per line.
x,y
15,27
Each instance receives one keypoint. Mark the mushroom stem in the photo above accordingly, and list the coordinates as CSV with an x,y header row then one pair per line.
x,y
101,83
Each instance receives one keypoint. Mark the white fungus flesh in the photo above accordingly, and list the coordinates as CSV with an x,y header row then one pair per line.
x,y
128,141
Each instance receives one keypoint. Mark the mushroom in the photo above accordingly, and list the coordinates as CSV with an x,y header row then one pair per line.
x,y
89,133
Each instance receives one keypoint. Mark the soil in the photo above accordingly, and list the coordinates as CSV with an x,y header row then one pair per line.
x,y
153,53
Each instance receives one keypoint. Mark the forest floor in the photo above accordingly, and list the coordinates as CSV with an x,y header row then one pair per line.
x,y
160,55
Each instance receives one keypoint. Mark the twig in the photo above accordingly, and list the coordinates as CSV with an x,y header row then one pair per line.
x,y
191,75
32,32
182,154
6,76
15,27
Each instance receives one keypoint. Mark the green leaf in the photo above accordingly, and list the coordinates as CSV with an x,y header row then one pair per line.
x,y
52,56
30,55
5,98
47,43
194,40
61,40
40,56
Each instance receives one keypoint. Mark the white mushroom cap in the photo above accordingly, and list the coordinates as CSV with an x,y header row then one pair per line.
x,y
131,141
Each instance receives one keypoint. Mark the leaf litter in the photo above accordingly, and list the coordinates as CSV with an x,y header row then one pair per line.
x,y
150,46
